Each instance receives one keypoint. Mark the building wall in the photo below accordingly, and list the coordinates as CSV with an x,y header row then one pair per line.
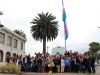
x,y
5,48
58,49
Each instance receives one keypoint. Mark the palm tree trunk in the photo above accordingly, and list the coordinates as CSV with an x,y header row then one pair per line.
x,y
44,44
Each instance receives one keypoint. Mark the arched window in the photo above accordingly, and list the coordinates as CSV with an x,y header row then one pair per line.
x,y
14,55
7,55
1,56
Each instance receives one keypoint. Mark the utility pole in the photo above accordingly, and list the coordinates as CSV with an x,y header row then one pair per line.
x,y
47,49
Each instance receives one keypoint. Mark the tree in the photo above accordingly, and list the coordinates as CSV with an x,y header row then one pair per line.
x,y
88,52
94,47
44,27
20,32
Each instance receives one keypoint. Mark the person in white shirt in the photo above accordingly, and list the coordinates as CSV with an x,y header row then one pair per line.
x,y
62,65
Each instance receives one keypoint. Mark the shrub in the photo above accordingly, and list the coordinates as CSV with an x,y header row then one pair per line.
x,y
11,68
0,67
3,68
17,69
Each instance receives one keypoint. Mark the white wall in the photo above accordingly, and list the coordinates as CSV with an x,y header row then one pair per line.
x,y
5,48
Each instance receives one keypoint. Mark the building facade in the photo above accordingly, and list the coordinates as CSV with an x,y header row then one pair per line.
x,y
10,44
61,50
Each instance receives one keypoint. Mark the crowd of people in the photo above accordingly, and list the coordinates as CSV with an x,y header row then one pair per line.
x,y
72,62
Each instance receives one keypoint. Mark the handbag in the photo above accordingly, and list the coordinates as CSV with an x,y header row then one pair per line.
x,y
49,65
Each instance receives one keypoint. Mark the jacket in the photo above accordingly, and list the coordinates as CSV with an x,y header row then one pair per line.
x,y
67,62
62,62
92,60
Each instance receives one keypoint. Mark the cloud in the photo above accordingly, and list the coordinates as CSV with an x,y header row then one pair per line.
x,y
83,20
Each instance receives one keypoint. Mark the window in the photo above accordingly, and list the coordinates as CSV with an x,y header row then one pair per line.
x,y
9,41
21,46
15,43
7,56
1,56
2,36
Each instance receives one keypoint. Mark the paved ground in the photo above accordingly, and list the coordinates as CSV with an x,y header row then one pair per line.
x,y
30,73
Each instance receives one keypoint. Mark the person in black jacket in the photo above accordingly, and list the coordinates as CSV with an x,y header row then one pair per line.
x,y
38,54
73,63
25,62
77,63
88,64
55,62
92,60
29,62
58,64
40,65
36,63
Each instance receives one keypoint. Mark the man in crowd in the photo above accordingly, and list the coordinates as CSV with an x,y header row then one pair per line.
x,y
40,65
25,62
92,60
67,64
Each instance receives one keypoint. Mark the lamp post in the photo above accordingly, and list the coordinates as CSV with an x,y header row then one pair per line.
x,y
47,49
1,13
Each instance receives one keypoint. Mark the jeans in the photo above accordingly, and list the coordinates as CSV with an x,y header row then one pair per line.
x,y
25,67
39,68
29,65
89,68
68,68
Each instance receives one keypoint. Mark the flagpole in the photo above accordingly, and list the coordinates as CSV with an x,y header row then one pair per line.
x,y
64,38
65,25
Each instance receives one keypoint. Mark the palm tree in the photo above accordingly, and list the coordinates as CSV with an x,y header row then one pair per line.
x,y
20,32
44,27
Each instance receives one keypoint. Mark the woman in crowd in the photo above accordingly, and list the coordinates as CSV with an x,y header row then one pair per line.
x,y
43,64
36,63
62,65
51,63
88,64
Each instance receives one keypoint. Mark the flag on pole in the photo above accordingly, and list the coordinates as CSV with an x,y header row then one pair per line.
x,y
65,21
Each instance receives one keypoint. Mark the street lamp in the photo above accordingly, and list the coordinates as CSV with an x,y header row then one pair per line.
x,y
1,13
47,49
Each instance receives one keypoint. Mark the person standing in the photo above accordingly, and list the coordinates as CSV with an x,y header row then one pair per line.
x,y
92,60
55,62
43,64
72,63
25,62
58,64
46,63
29,62
77,63
40,65
36,63
51,63
88,64
67,64
62,65
33,66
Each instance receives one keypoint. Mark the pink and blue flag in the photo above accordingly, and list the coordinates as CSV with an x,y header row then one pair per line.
x,y
65,21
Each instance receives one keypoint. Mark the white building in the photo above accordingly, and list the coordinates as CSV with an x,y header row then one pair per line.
x,y
61,50
10,44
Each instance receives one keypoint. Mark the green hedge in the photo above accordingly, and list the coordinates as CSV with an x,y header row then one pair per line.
x,y
11,68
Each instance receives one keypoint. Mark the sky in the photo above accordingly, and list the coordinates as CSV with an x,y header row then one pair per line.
x,y
83,20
